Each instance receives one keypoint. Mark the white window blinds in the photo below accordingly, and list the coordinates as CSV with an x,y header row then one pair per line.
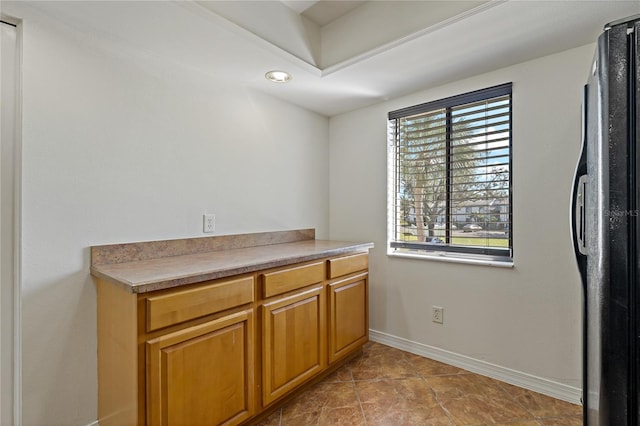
x,y
450,175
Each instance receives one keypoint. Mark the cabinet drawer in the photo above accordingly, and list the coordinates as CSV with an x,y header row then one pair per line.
x,y
348,264
291,279
206,299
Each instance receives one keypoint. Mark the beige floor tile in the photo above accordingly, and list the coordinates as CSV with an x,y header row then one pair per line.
x,y
392,391
389,387
542,406
462,385
301,419
374,365
341,375
474,410
407,401
427,367
309,405
272,420
341,416
563,421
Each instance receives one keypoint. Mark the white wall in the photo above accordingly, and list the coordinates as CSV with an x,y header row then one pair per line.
x,y
121,148
527,318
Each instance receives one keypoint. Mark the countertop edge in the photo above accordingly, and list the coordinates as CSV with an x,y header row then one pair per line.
x,y
216,273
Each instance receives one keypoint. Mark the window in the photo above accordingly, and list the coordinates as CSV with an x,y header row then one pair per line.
x,y
450,177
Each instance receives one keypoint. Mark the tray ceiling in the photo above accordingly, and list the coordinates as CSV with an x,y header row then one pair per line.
x,y
343,55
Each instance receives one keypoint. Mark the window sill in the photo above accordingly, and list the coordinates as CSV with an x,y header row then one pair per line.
x,y
448,257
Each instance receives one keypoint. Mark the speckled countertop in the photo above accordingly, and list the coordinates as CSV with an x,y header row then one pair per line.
x,y
147,273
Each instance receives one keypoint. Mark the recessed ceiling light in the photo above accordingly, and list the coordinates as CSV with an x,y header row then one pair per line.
x,y
278,76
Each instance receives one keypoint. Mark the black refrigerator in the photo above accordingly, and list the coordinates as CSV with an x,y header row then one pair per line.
x,y
606,228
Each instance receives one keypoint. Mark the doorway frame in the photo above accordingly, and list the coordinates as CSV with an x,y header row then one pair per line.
x,y
14,341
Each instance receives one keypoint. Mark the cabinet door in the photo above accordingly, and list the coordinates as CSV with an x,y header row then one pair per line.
x,y
293,341
202,375
348,315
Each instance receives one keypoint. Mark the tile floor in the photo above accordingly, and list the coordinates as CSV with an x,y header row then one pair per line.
x,y
387,386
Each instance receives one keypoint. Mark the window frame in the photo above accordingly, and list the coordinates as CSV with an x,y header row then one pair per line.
x,y
457,253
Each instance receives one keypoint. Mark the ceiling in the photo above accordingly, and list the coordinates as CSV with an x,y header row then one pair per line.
x,y
324,11
343,55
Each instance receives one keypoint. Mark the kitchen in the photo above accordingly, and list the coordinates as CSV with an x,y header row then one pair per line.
x,y
138,118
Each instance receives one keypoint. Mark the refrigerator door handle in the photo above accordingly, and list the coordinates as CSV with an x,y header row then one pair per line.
x,y
579,216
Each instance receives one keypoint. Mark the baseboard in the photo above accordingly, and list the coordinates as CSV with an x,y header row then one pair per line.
x,y
96,423
537,384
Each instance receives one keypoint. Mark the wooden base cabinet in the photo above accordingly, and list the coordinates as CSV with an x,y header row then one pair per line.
x,y
182,356
226,351
348,315
202,375
293,342
348,304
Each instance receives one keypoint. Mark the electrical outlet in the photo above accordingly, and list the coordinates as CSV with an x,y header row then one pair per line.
x,y
208,222
437,314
